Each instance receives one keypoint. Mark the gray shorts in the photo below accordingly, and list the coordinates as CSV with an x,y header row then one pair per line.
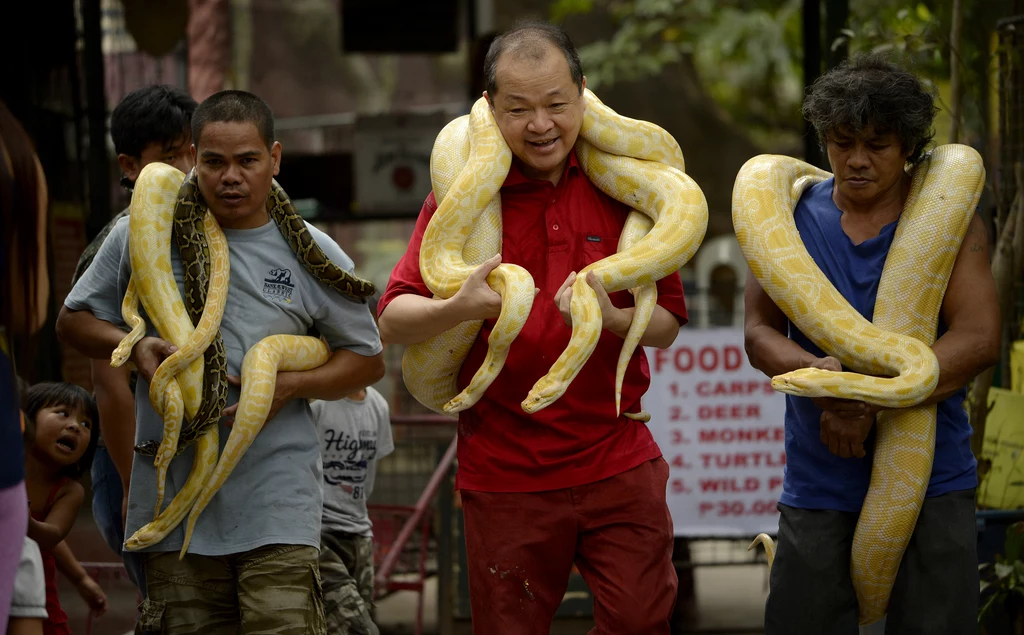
x,y
936,590
29,599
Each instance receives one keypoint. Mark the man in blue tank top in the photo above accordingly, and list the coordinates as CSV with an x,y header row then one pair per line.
x,y
875,121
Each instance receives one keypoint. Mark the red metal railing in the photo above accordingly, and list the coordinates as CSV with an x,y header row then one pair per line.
x,y
419,518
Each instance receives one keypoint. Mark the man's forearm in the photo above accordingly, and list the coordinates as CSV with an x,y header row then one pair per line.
x,y
773,353
343,374
962,356
411,319
116,405
661,330
86,333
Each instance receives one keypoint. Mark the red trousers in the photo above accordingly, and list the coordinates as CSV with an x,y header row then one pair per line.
x,y
521,548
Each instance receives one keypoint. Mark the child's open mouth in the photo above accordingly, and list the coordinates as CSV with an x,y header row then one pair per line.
x,y
67,443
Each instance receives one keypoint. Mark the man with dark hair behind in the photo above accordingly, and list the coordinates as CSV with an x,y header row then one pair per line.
x,y
150,124
573,483
252,562
874,120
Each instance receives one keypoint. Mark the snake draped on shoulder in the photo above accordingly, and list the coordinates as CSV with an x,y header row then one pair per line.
x,y
166,203
893,364
635,162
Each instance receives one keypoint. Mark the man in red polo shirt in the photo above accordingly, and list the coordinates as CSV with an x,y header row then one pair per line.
x,y
572,482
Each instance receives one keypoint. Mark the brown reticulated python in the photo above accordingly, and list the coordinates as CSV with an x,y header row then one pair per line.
x,y
163,205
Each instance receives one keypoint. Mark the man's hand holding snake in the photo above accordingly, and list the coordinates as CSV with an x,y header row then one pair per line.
x,y
476,299
284,391
149,353
845,423
613,318
845,436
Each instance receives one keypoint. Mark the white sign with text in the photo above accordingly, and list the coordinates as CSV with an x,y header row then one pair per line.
x,y
720,427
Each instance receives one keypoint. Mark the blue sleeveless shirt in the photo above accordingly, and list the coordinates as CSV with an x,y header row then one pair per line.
x,y
814,477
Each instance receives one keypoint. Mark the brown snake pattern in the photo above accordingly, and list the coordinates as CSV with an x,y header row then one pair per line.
x,y
312,257
195,258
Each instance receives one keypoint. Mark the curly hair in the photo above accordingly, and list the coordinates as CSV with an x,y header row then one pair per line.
x,y
871,91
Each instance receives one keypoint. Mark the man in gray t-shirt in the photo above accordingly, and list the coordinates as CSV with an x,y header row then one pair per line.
x,y
253,557
355,432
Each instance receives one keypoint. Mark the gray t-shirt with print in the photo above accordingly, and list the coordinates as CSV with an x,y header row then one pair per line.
x,y
354,435
273,496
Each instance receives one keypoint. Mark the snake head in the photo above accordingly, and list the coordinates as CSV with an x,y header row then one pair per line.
x,y
121,354
544,393
140,540
782,383
810,382
805,382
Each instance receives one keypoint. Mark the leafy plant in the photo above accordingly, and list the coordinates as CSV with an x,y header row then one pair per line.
x,y
1003,580
746,54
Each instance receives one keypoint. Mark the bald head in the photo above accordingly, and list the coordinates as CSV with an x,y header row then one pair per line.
x,y
531,42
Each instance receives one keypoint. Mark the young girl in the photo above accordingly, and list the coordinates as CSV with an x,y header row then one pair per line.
x,y
66,429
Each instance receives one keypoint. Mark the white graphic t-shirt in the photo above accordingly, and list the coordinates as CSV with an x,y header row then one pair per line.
x,y
354,434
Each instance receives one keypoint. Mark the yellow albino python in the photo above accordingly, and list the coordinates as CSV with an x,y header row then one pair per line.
x,y
632,161
900,371
259,380
153,282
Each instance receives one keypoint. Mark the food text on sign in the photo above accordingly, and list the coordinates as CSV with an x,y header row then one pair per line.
x,y
707,358
720,427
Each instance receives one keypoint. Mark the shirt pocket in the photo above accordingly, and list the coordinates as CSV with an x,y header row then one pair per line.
x,y
596,247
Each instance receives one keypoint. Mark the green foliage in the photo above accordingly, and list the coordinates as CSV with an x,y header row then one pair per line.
x,y
1003,578
917,34
748,53
745,52
563,8
911,33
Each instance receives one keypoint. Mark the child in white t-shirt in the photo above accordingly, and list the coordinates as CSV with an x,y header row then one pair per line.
x,y
354,433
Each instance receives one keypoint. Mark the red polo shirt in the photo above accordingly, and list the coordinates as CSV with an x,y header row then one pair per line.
x,y
551,231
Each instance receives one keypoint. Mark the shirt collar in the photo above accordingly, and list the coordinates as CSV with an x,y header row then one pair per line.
x,y
516,176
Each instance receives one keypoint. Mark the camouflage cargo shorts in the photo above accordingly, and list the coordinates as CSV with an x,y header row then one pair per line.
x,y
274,590
346,566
